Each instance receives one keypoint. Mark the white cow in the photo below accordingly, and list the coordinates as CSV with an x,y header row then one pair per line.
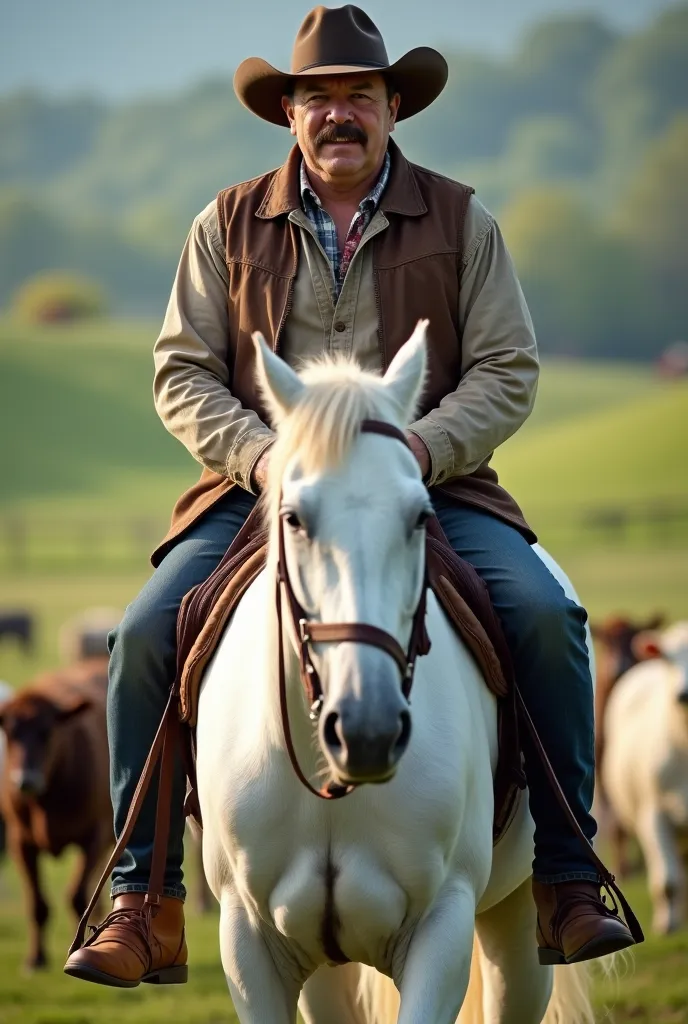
x,y
645,768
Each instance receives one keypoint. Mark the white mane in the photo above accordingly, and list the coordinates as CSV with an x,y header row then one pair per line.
x,y
323,425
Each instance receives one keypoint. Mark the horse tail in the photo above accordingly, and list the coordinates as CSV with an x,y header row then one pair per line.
x,y
570,1002
378,997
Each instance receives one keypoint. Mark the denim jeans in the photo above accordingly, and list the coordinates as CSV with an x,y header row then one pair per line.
x,y
142,668
544,629
545,632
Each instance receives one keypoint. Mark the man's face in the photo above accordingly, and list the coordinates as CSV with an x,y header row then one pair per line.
x,y
342,125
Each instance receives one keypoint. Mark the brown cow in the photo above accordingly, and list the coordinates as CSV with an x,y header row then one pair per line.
x,y
621,644
54,788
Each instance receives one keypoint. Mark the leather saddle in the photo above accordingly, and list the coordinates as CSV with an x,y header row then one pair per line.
x,y
206,609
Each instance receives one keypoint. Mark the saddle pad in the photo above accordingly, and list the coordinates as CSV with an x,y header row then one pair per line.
x,y
462,594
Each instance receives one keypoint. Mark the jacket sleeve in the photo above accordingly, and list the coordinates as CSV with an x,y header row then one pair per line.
x,y
190,387
499,362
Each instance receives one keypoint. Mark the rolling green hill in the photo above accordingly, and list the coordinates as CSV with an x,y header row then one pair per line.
x,y
629,452
76,406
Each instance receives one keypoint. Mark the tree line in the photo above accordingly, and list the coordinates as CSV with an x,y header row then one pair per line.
x,y
578,142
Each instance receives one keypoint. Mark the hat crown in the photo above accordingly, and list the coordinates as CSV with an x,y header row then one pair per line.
x,y
331,36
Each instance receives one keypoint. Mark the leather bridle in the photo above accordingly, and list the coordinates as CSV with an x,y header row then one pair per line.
x,y
307,632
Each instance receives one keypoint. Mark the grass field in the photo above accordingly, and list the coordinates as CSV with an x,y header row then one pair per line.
x,y
84,451
651,990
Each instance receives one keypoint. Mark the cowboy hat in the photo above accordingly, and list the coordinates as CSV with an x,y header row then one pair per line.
x,y
340,41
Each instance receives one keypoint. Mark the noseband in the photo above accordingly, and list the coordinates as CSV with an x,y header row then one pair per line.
x,y
308,632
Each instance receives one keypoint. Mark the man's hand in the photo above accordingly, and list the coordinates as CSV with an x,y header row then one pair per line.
x,y
421,453
260,471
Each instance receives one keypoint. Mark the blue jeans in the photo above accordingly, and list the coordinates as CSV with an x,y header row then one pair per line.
x,y
545,632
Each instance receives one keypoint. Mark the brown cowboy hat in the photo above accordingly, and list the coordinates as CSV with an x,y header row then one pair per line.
x,y
340,41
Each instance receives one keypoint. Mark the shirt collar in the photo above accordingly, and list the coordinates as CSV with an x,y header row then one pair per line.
x,y
372,200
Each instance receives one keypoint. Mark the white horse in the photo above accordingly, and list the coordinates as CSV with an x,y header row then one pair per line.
x,y
645,767
395,876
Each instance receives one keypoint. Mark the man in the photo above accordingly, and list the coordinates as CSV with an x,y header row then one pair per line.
x,y
343,249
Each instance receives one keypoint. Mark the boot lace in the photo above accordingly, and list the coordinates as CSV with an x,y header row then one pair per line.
x,y
136,921
577,904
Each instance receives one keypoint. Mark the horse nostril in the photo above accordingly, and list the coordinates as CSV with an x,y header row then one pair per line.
x,y
330,734
405,734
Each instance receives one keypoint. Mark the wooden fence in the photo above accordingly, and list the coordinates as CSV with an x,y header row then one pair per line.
x,y
84,543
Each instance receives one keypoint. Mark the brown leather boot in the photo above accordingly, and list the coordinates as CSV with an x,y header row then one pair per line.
x,y
574,924
136,942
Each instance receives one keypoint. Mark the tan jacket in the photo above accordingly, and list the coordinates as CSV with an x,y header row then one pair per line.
x,y
253,261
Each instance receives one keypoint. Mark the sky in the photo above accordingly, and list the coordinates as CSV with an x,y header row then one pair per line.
x,y
124,48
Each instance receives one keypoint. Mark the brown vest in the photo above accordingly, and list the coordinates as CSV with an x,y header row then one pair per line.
x,y
416,267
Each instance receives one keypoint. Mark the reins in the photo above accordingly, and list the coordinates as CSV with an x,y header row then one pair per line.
x,y
307,632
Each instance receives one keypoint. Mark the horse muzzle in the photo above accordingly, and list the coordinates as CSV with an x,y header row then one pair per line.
x,y
364,734
29,781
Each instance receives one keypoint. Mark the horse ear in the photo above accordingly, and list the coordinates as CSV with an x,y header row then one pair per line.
x,y
646,644
406,374
281,387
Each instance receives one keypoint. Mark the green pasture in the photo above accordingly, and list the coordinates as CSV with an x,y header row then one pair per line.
x,y
87,479
88,474
651,988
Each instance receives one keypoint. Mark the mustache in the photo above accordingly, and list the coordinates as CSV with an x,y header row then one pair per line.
x,y
340,133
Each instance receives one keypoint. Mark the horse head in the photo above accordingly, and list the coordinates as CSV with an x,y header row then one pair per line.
x,y
347,510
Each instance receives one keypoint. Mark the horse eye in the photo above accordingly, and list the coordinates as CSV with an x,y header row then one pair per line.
x,y
292,520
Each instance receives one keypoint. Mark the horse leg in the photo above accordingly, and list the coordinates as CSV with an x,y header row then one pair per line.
x,y
664,868
433,984
330,996
26,858
619,841
260,990
516,989
89,857
205,901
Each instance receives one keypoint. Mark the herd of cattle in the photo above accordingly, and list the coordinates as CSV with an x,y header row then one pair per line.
x,y
54,761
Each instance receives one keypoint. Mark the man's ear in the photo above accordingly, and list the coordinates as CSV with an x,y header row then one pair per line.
x,y
394,110
288,108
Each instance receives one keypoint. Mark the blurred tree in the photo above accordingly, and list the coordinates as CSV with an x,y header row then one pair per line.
x,y
653,218
548,148
582,284
555,60
110,190
639,90
59,297
43,137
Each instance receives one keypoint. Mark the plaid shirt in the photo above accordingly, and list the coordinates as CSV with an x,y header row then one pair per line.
x,y
325,226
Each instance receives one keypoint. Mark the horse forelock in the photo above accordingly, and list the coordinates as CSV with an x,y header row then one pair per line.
x,y
324,424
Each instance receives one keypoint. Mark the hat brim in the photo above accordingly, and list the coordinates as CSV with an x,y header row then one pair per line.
x,y
419,77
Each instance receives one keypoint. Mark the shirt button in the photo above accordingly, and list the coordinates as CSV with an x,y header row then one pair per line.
x,y
340,326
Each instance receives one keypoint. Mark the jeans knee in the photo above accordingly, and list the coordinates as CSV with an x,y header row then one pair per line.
x,y
142,642
554,622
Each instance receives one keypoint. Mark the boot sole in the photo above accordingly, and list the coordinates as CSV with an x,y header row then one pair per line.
x,y
165,976
590,951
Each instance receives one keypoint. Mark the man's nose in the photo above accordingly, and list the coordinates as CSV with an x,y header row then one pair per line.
x,y
340,113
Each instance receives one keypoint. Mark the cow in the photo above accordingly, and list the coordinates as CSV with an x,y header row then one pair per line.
x,y
620,644
6,692
19,625
645,769
54,788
